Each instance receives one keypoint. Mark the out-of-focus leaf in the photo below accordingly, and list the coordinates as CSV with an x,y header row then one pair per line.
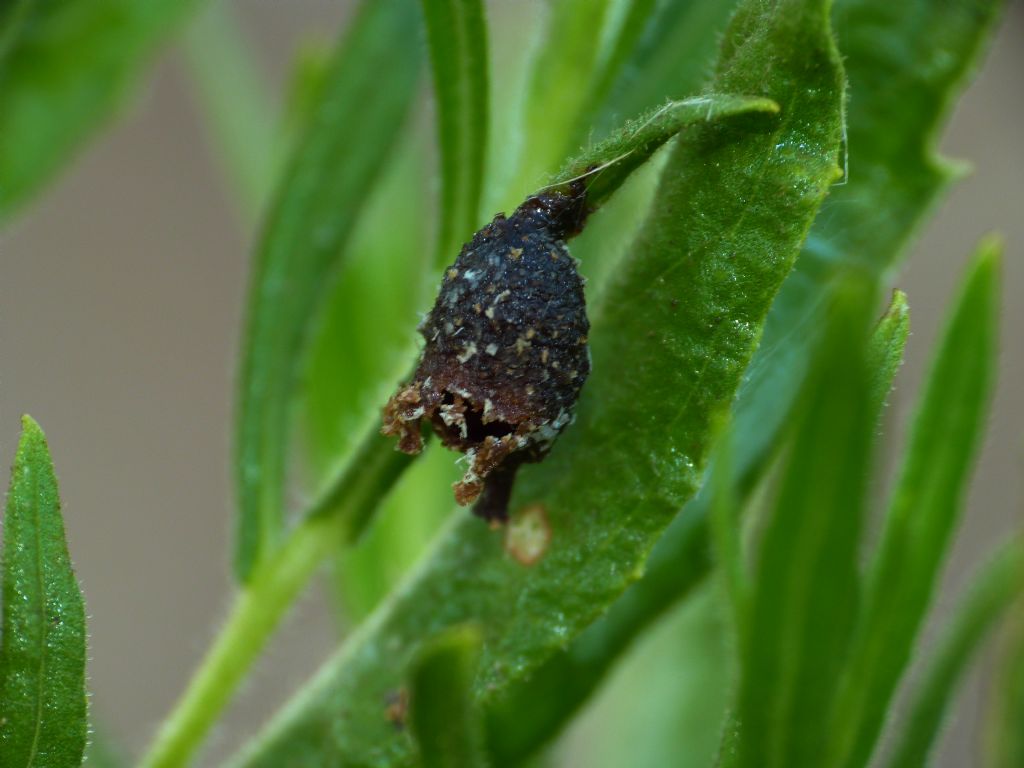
x,y
560,82
359,115
1005,737
64,74
363,336
404,523
885,350
13,16
443,710
665,702
240,115
806,583
682,316
101,751
923,513
457,33
670,60
633,18
906,62
726,532
42,654
882,77
605,167
995,587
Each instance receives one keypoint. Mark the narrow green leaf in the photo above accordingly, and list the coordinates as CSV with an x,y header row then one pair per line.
x,y
443,712
881,78
240,114
102,751
350,135
561,79
635,19
64,75
1005,737
457,33
12,19
670,60
995,587
804,603
923,513
900,92
726,532
42,655
885,350
736,200
606,166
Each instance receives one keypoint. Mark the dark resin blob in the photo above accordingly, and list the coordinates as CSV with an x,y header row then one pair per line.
x,y
506,350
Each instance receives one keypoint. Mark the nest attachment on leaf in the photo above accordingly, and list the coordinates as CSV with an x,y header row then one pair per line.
x,y
506,350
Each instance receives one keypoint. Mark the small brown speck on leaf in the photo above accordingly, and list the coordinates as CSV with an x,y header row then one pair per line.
x,y
397,709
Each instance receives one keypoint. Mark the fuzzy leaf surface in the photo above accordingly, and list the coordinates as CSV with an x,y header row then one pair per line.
x,y
682,315
882,78
42,653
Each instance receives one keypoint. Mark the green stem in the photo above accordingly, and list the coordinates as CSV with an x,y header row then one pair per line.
x,y
254,615
332,522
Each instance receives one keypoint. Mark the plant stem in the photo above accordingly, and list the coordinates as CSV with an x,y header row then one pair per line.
x,y
254,615
335,520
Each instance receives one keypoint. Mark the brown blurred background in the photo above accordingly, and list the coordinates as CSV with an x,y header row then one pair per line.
x,y
120,298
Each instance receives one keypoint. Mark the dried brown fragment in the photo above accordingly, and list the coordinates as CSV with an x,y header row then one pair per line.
x,y
529,535
495,384
397,708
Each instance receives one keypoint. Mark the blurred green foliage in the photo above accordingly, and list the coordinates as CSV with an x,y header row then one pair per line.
x,y
734,277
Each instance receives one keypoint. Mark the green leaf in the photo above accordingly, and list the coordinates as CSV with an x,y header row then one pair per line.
x,y
923,512
102,751
561,79
1005,738
736,200
665,702
605,167
804,603
240,114
12,20
726,533
670,60
881,78
64,75
42,655
632,21
885,349
457,33
303,243
444,714
994,589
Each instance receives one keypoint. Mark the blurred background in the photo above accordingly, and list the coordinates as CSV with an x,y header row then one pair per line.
x,y
121,293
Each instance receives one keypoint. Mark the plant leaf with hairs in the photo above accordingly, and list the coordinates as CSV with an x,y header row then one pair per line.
x,y
910,69
736,199
42,655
